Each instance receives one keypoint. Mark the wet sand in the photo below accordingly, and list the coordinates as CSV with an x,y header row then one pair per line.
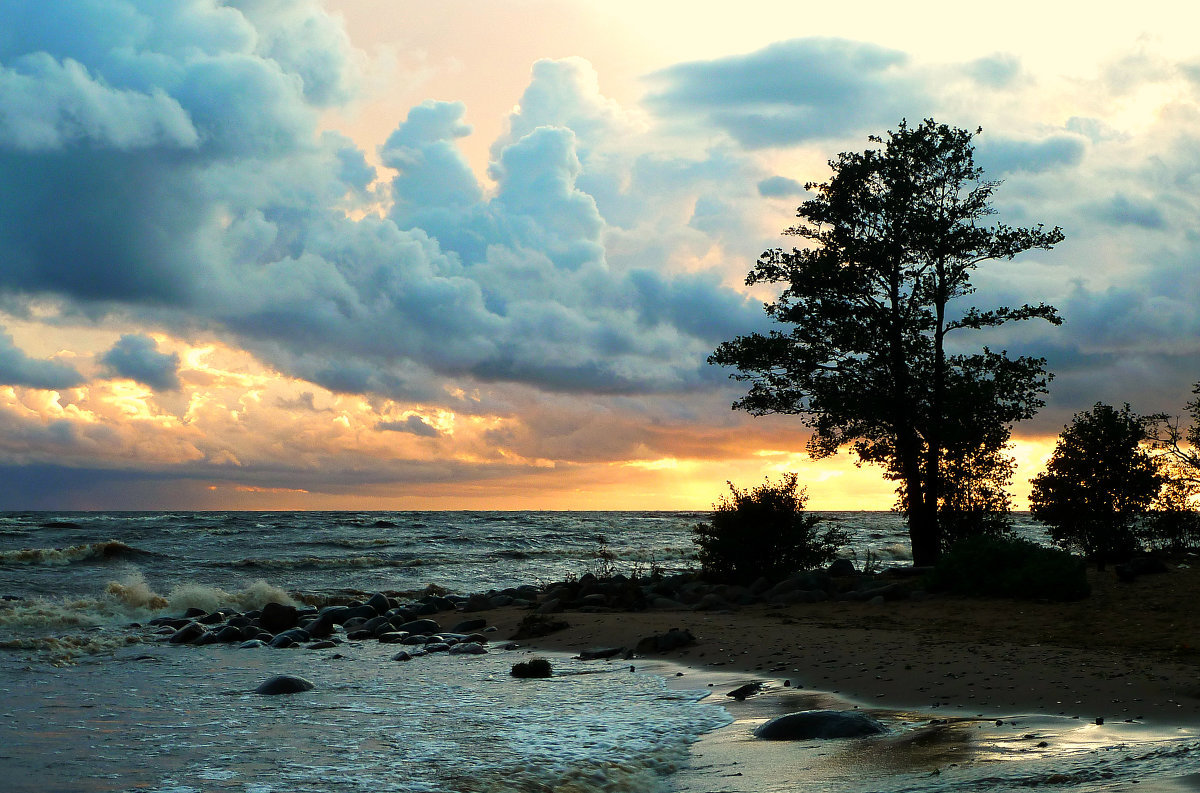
x,y
1126,655
1127,652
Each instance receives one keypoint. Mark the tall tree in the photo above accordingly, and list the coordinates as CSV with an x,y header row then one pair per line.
x,y
891,242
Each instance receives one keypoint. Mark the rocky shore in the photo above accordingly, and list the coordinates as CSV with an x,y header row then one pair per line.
x,y
1126,652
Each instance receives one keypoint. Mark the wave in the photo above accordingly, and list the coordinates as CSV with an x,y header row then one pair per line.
x,y
308,562
373,542
103,551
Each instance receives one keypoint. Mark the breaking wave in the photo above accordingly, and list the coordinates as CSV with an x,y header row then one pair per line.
x,y
102,551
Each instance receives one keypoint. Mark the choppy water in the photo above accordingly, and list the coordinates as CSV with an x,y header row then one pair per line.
x,y
85,708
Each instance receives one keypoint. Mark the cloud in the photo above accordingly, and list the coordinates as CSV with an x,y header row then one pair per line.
x,y
137,358
16,368
794,91
1001,155
780,187
1131,211
1000,70
414,425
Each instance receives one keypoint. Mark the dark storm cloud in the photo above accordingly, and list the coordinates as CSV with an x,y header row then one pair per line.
x,y
794,91
17,368
137,358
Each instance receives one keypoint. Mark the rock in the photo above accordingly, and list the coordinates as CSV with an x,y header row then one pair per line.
x,y
251,643
193,612
550,606
187,634
276,617
375,623
592,655
478,603
379,603
665,642
500,601
1139,565
360,634
229,633
324,644
711,602
284,684
538,667
392,637
212,619
470,626
841,567
667,604
424,627
290,637
437,647
748,690
468,648
402,656
322,626
810,724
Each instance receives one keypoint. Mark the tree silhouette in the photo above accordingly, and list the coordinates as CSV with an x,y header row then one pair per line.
x,y
892,239
1098,484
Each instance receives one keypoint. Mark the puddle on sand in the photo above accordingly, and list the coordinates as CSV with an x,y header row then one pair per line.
x,y
927,752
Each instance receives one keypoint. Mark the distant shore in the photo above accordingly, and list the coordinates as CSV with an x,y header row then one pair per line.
x,y
1129,651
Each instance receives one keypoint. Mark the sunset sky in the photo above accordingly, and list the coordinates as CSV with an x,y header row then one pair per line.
x,y
380,254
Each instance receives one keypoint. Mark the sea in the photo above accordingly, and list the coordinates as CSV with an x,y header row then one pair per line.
x,y
89,703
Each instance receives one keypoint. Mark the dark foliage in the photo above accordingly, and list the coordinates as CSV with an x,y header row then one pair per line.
x,y
763,532
1099,484
891,242
1011,568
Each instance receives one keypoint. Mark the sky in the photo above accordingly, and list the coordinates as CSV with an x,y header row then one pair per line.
x,y
473,254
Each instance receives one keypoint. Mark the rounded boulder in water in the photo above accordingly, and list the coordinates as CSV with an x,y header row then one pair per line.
x,y
809,724
284,684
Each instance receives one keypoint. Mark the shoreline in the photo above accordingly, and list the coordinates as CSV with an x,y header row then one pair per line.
x,y
1003,678
1129,651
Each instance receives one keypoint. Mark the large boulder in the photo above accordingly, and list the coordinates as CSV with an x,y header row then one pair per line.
x,y
276,617
809,724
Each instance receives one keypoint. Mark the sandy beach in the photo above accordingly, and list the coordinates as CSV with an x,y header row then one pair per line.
x,y
1131,650
980,681
1126,655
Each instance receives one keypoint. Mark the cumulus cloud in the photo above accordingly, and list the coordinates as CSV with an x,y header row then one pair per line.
x,y
17,368
136,357
794,91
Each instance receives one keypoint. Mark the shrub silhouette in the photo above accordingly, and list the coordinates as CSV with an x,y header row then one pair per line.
x,y
763,532
1098,484
1012,568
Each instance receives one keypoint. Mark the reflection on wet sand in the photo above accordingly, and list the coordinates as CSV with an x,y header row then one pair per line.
x,y
926,752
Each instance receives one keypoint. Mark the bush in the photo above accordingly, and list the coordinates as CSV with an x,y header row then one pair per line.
x,y
763,532
1098,484
1011,568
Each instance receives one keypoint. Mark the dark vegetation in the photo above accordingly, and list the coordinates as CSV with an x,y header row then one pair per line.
x,y
1010,568
763,532
1099,484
